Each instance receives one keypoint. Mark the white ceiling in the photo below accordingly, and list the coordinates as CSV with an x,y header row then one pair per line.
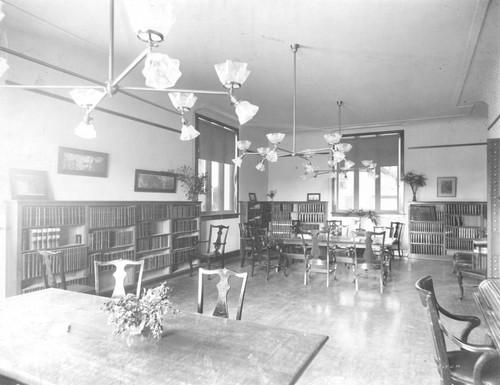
x,y
390,61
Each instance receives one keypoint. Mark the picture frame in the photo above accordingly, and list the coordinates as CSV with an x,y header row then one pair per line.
x,y
252,197
313,197
73,161
28,184
447,186
155,181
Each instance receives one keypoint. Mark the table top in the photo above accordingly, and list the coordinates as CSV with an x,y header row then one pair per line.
x,y
60,337
488,301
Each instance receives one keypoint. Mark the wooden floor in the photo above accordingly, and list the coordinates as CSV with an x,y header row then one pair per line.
x,y
374,338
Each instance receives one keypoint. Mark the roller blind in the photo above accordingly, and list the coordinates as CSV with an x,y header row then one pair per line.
x,y
216,142
383,149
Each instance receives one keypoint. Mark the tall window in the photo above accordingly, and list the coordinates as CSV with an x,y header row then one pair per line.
x,y
356,190
216,147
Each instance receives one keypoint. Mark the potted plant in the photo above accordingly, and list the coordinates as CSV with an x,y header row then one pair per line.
x,y
363,214
141,316
415,181
272,193
194,185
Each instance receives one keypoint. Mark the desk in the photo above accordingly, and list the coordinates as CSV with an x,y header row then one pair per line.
x,y
37,347
488,301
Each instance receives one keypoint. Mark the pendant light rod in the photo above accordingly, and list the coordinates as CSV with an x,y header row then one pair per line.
x,y
340,103
224,93
294,48
111,63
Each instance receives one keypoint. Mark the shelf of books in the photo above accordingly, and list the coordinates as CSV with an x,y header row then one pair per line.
x,y
256,213
439,229
310,216
164,234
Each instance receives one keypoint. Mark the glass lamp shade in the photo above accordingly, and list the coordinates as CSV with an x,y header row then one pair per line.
x,y
86,97
338,156
232,73
156,15
2,15
348,165
182,100
332,175
243,145
3,66
332,138
188,132
237,161
331,163
261,166
263,151
309,168
367,163
344,147
272,156
245,111
86,130
161,71
275,137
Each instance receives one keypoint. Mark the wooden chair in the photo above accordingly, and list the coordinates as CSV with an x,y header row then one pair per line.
x,y
471,364
374,259
49,260
335,226
345,254
395,231
221,308
268,255
470,264
247,242
120,274
317,259
215,245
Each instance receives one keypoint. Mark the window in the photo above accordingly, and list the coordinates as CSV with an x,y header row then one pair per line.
x,y
216,147
356,190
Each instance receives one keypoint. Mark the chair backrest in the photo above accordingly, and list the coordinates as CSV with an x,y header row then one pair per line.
x,y
378,245
217,236
221,308
120,274
336,226
425,288
51,259
395,231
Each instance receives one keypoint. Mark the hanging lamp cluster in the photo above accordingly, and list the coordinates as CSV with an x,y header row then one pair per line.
x,y
152,20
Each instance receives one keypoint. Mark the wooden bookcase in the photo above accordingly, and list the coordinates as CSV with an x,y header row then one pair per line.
x,y
439,229
164,234
277,216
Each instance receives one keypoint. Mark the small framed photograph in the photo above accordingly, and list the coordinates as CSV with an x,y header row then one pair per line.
x,y
313,197
252,197
155,181
73,161
28,184
447,186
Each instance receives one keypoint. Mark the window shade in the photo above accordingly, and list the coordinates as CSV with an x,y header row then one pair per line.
x,y
382,149
216,143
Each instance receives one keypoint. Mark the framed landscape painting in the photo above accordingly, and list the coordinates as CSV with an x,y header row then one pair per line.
x,y
82,162
447,186
155,181
28,184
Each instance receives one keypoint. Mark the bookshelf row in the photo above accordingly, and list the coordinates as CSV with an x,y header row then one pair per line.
x,y
443,228
98,230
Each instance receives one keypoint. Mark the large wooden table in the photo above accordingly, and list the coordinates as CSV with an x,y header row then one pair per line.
x,y
60,337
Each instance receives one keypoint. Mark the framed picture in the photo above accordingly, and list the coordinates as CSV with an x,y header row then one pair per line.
x,y
28,184
313,197
252,197
155,181
447,186
82,162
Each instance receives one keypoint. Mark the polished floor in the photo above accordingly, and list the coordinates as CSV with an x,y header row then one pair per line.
x,y
374,338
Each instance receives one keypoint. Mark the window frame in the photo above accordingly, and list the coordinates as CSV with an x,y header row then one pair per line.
x,y
219,214
400,186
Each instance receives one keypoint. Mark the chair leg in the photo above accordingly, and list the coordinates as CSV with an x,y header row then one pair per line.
x,y
253,263
190,259
460,278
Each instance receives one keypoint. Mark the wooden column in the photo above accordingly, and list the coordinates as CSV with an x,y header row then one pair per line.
x,y
493,160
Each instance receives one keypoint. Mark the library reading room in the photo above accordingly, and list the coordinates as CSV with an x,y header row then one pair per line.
x,y
249,192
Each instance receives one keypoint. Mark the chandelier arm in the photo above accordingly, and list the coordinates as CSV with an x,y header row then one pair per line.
x,y
132,65
131,95
294,47
224,93
34,86
49,65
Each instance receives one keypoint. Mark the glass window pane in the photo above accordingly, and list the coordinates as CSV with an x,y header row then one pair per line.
x,y
366,191
228,186
215,188
202,169
389,188
346,191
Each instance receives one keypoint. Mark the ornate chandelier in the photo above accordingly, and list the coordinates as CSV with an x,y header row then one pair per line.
x,y
336,151
151,20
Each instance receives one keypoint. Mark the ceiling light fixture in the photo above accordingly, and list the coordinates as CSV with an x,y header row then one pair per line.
x,y
336,151
151,20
